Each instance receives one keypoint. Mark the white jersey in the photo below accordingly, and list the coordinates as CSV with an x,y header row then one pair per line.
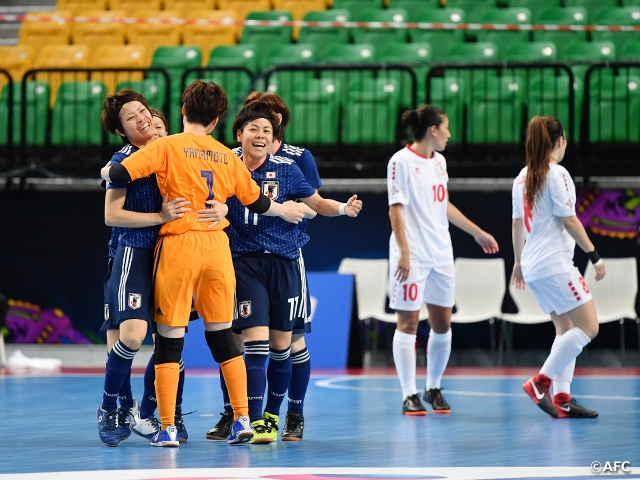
x,y
548,244
420,185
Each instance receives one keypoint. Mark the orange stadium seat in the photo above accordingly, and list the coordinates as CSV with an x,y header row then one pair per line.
x,y
208,36
61,57
38,33
96,33
77,6
15,59
156,34
118,56
244,7
298,9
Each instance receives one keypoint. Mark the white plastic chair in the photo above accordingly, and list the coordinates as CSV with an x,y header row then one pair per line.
x,y
480,289
615,295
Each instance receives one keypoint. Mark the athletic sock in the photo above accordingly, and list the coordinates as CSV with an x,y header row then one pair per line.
x,y
404,356
300,375
235,376
148,402
278,378
167,375
126,395
255,354
569,346
562,381
225,393
438,352
118,365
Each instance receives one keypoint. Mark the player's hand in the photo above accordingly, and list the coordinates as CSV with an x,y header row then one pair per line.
x,y
291,212
487,242
173,209
516,277
353,207
601,271
402,271
215,214
104,171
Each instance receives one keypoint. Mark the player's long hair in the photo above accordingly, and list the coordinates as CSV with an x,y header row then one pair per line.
x,y
204,102
275,103
254,110
542,135
421,119
110,115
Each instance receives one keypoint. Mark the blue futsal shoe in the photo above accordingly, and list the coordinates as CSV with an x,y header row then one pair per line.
x,y
108,427
166,438
240,431
126,417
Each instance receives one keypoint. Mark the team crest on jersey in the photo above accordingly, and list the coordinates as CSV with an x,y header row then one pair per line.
x,y
441,169
271,174
135,300
106,311
244,308
270,189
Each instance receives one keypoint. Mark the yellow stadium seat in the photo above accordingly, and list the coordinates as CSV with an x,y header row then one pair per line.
x,y
243,7
95,33
61,57
189,4
38,33
135,6
207,36
118,56
156,34
76,6
16,60
299,8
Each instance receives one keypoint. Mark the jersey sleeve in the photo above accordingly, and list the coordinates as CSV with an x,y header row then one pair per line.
x,y
397,182
246,189
298,184
148,160
115,160
309,168
563,193
517,199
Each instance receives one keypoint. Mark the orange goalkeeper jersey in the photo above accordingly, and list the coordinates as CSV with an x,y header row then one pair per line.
x,y
196,167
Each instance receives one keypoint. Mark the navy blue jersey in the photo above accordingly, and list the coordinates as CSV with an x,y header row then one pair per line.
x,y
143,196
280,179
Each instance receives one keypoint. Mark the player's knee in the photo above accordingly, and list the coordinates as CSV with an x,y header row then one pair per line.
x,y
167,350
222,346
297,342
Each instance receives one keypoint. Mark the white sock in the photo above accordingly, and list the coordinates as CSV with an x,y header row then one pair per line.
x,y
568,347
404,356
438,351
562,381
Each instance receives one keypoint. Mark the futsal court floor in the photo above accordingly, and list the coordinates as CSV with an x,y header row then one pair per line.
x,y
354,430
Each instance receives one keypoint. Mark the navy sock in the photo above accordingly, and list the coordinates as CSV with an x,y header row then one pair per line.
x,y
256,354
148,403
118,366
126,395
278,377
300,375
225,394
180,390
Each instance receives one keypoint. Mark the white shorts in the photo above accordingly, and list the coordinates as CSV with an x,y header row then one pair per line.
x,y
562,292
435,286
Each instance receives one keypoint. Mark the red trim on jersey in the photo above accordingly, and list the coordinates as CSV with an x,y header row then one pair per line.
x,y
420,154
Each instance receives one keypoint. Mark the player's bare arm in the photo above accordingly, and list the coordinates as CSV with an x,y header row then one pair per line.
x,y
482,238
332,208
575,228
517,237
397,225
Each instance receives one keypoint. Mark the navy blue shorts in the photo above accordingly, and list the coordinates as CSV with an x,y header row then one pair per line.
x,y
303,325
269,292
128,287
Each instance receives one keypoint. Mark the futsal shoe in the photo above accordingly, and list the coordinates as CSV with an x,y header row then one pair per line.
x,y
434,397
567,407
240,431
293,427
538,389
413,406
266,430
182,430
222,428
166,438
125,417
145,427
108,427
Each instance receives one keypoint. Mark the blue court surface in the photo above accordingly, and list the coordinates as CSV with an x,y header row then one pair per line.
x,y
354,430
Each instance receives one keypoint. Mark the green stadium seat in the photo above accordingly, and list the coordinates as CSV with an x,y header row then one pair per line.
x,y
37,111
532,53
509,16
380,36
582,54
495,110
371,111
617,16
315,104
630,3
549,95
414,55
348,55
355,6
630,51
175,60
76,102
533,5
241,55
561,16
414,7
474,10
288,54
450,94
476,52
614,109
592,6
323,37
267,35
442,39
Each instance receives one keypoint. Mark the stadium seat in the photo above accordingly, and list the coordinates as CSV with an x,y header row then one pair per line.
x,y
37,111
136,7
531,53
291,54
592,6
476,52
298,9
617,16
155,34
509,16
207,36
268,35
474,10
451,95
185,5
77,6
380,36
38,34
356,6
323,37
561,16
414,55
118,56
630,3
244,7
315,104
441,40
16,60
534,6
76,102
549,95
371,111
630,51
413,7
495,110
614,108
348,55
61,57
241,55
94,34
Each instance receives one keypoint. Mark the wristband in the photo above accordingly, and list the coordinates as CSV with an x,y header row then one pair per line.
x,y
341,209
594,257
